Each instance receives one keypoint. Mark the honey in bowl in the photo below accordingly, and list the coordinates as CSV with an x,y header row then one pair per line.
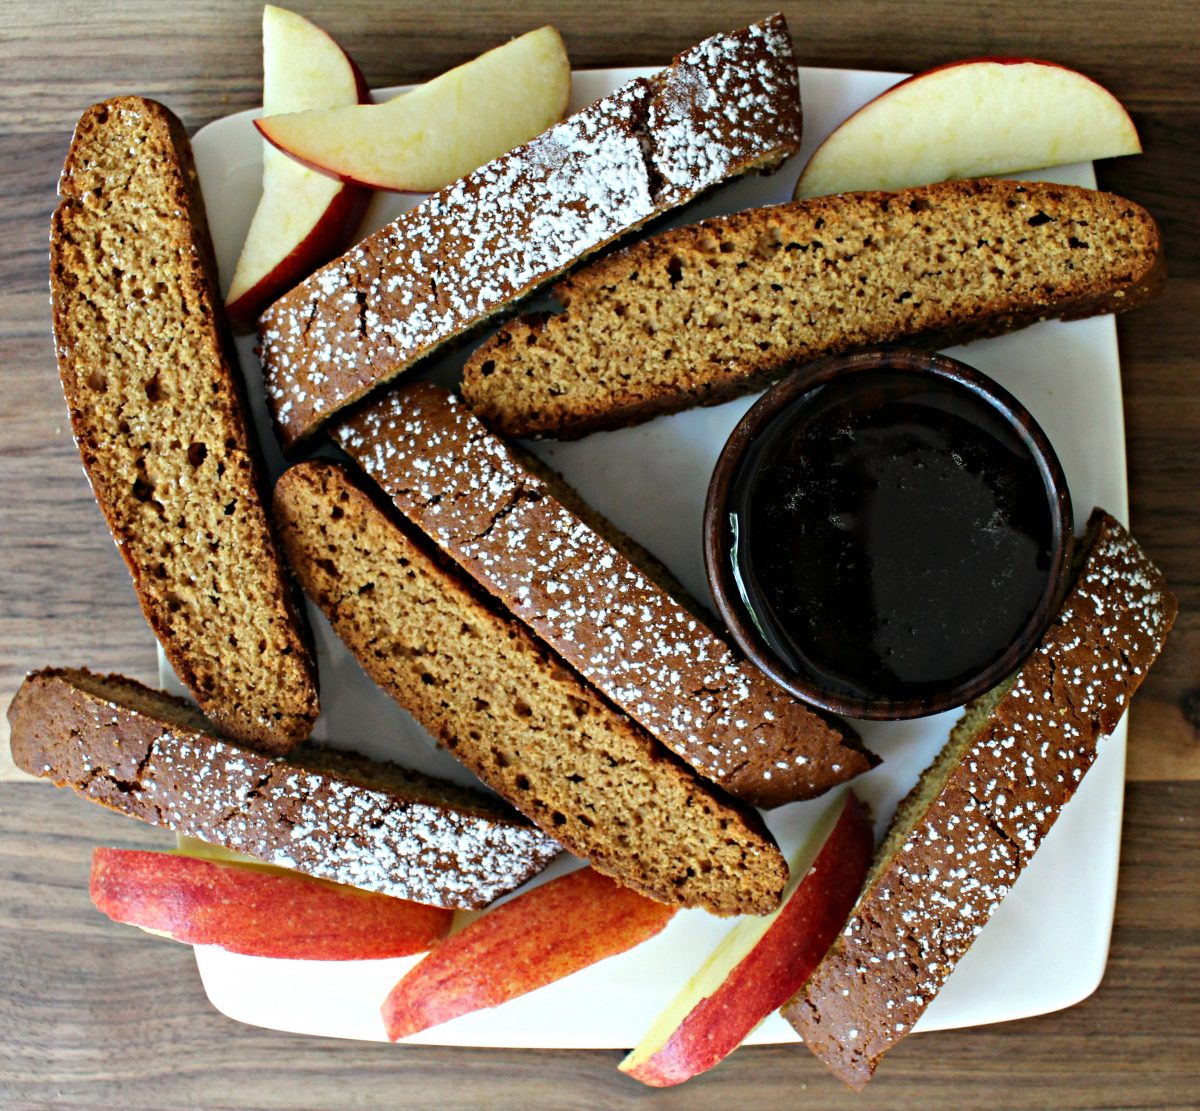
x,y
895,534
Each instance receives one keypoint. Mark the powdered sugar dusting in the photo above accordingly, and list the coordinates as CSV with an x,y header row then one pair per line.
x,y
719,108
1000,793
445,266
668,670
334,816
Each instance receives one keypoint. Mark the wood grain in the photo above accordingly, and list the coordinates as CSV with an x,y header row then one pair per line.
x,y
100,1016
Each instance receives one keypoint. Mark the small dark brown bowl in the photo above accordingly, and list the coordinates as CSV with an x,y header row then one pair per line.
x,y
795,391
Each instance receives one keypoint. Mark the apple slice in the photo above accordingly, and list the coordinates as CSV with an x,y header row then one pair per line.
x,y
557,928
762,962
975,118
424,139
304,218
259,911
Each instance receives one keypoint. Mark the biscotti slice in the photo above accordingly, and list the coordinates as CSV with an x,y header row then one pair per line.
x,y
697,315
962,837
516,716
329,814
611,621
158,414
727,106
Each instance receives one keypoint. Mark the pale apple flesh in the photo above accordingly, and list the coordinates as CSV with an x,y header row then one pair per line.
x,y
304,67
976,118
764,961
547,933
304,218
258,911
423,140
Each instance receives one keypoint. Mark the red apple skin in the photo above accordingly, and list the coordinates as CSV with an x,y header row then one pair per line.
x,y
558,928
332,233
776,968
998,61
263,126
995,61
260,913
364,90
326,239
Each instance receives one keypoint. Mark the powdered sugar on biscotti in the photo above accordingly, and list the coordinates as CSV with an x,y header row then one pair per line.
x,y
340,830
332,815
728,105
962,838
1073,690
609,620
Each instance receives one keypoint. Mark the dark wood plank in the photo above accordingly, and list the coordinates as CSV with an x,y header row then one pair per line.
x,y
97,1015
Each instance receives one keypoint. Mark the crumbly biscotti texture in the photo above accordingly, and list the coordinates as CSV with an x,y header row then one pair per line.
x,y
963,835
725,107
697,315
326,813
156,406
610,620
515,715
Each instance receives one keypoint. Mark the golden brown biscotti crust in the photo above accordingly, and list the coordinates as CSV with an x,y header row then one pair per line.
x,y
653,658
727,106
700,314
515,715
962,837
328,814
157,410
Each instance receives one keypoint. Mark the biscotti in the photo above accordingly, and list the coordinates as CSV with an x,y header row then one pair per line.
x,y
611,621
727,106
329,814
962,837
516,716
697,315
158,414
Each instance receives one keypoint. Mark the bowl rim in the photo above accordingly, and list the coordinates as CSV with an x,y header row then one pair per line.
x,y
717,536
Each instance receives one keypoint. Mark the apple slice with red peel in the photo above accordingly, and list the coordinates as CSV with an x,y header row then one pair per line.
x,y
976,118
762,962
424,139
541,936
304,218
259,911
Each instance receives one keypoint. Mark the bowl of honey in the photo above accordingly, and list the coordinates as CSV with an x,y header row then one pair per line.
x,y
887,533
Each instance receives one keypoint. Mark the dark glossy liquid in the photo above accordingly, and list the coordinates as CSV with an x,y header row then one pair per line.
x,y
893,535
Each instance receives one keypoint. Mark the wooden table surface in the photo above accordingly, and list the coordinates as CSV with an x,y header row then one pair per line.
x,y
92,1014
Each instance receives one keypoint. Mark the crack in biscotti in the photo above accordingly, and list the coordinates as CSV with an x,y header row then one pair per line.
x,y
313,306
121,786
360,313
239,807
518,499
1019,852
644,135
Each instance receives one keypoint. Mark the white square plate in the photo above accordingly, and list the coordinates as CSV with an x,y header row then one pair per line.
x,y
650,480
